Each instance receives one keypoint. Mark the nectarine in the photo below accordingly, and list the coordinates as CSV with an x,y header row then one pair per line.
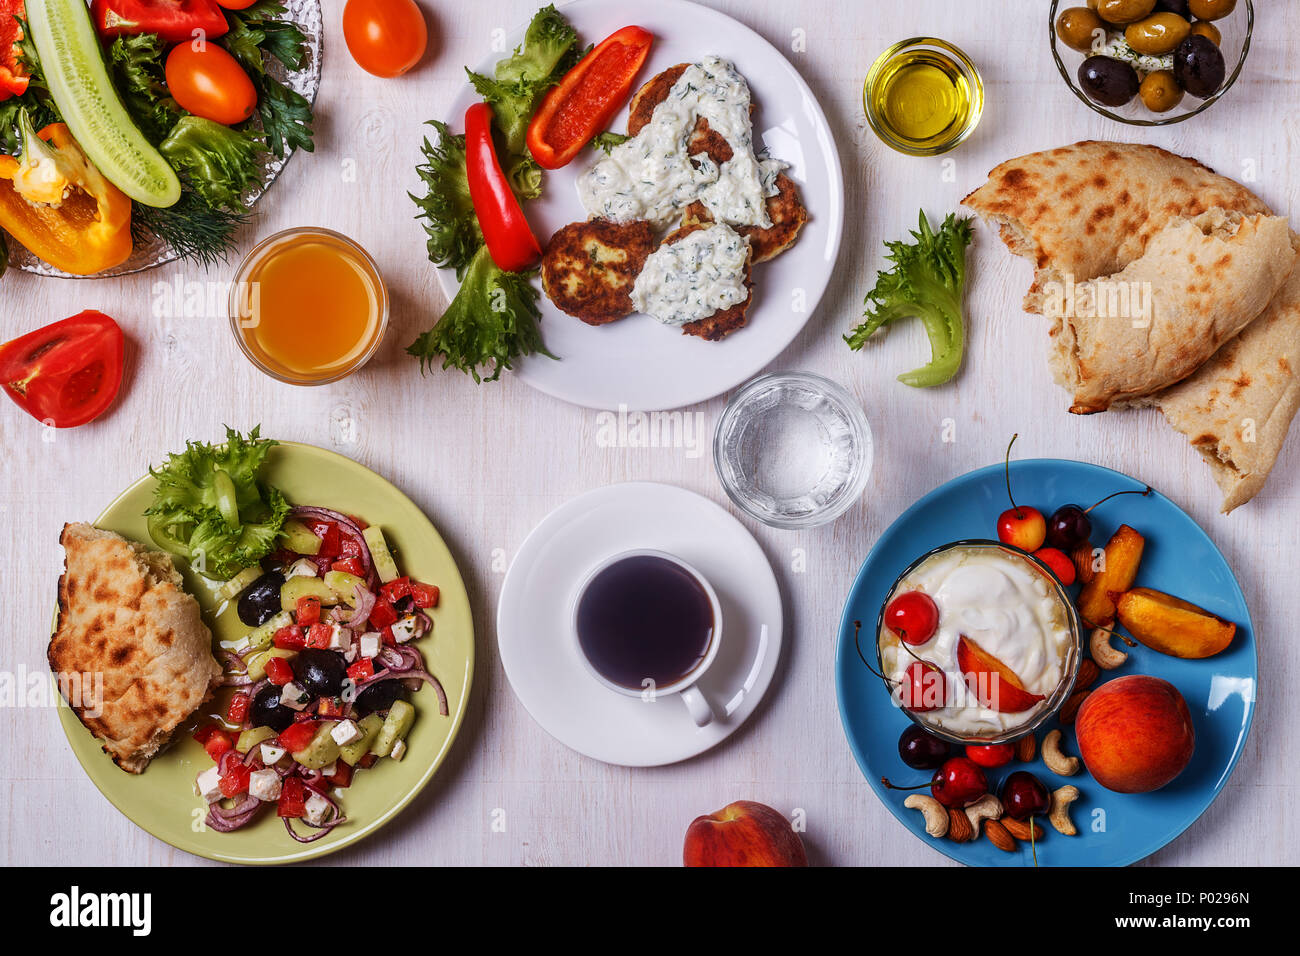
x,y
743,833
1135,733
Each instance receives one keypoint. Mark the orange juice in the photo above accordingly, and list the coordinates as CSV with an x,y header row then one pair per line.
x,y
309,306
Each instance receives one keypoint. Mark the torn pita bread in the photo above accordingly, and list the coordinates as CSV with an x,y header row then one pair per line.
x,y
1197,284
124,615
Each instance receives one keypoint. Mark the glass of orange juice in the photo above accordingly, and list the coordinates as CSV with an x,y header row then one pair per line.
x,y
308,306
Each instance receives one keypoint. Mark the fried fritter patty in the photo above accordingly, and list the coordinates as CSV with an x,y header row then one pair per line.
x,y
703,140
719,325
590,267
785,209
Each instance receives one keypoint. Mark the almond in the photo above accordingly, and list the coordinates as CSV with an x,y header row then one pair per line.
x,y
959,826
1020,829
1083,562
1027,748
1071,707
1088,674
999,836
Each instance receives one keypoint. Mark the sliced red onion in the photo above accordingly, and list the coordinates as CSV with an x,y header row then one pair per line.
x,y
359,617
423,675
226,819
348,526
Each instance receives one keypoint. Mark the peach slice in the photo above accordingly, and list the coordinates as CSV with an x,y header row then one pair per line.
x,y
994,685
1122,556
1172,626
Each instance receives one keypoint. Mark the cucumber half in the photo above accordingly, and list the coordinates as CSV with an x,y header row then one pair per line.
x,y
78,80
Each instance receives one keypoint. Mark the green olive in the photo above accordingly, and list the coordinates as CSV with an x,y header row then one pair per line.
x,y
1212,9
1158,34
1125,11
1076,27
1204,28
1160,92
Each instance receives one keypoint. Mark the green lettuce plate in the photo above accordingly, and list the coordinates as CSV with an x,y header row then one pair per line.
x,y
162,800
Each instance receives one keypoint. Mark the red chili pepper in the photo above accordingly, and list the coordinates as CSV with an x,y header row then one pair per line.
x,y
293,798
585,101
506,232
176,21
278,671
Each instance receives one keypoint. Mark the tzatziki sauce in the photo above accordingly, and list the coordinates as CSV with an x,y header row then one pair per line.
x,y
694,277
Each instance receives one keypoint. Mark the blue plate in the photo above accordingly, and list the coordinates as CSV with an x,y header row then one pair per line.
x,y
1114,829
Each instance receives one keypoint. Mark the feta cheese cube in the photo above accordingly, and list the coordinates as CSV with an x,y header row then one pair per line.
x,y
404,630
350,654
265,785
316,809
208,785
399,749
330,770
340,638
302,568
271,754
294,696
346,732
370,645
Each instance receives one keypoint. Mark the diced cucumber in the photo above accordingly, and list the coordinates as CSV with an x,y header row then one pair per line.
x,y
260,638
396,724
369,726
75,74
301,587
344,586
323,749
250,738
300,538
257,662
236,585
385,566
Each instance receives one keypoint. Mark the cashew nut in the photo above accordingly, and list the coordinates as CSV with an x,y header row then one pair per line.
x,y
1107,657
1059,814
936,816
987,807
1056,761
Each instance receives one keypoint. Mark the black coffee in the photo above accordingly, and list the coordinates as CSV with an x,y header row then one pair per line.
x,y
644,618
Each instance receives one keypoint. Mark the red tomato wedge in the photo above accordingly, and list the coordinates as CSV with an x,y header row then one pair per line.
x,y
575,112
67,373
13,80
506,232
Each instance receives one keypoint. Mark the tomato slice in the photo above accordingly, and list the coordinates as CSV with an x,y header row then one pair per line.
x,y
13,79
573,113
65,374
297,736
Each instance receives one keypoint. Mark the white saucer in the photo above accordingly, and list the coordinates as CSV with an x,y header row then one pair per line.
x,y
541,658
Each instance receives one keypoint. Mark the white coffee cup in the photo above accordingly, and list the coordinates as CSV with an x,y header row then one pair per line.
x,y
685,687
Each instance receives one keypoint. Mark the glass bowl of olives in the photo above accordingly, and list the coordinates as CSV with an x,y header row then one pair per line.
x,y
1150,62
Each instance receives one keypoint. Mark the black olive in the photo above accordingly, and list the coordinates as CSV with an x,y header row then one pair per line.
x,y
321,672
1199,67
261,600
379,696
1174,6
267,711
1108,81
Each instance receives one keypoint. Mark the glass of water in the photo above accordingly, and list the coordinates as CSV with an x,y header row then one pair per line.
x,y
793,449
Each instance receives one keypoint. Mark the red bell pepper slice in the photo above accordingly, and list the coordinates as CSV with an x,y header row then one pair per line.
x,y
176,21
573,113
297,735
509,238
349,566
278,671
293,798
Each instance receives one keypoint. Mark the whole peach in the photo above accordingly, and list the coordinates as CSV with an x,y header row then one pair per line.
x,y
1135,733
743,833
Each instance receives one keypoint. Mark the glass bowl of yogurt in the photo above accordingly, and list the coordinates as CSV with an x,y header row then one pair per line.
x,y
995,643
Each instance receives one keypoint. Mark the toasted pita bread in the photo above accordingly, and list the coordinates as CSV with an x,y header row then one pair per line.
x,y
123,614
1197,284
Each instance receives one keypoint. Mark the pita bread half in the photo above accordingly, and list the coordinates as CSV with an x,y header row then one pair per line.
x,y
1088,210
1155,322
124,615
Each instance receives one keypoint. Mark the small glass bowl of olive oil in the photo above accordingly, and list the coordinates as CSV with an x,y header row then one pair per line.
x,y
923,96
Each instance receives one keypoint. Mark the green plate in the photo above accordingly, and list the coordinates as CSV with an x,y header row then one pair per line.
x,y
162,799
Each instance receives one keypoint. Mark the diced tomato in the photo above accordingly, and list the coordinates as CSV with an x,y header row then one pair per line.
x,y
235,780
204,733
293,798
359,522
318,635
386,635
362,669
218,744
330,539
278,671
342,777
383,615
330,707
367,761
237,711
349,566
396,589
308,611
290,638
425,595
349,547
297,735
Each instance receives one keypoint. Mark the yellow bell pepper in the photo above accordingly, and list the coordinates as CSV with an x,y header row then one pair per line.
x,y
57,204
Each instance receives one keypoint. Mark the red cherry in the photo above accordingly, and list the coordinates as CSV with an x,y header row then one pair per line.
x,y
959,782
913,616
1060,564
1022,527
1024,795
923,688
991,755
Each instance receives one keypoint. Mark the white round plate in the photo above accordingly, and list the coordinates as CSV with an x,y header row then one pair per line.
x,y
540,655
637,361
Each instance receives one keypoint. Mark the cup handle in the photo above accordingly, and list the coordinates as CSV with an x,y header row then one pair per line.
x,y
698,705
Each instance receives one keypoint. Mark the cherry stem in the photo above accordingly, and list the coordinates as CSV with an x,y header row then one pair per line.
x,y
857,632
1010,497
919,786
1109,630
1131,491
1033,836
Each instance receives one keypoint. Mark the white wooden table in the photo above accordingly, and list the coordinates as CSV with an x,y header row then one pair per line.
x,y
487,463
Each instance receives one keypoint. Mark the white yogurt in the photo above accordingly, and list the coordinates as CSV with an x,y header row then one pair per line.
x,y
694,277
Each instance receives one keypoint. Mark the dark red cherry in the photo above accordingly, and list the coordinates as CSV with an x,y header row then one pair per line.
x,y
959,782
921,750
1024,795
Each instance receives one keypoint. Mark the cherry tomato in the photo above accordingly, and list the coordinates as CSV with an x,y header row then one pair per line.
x,y
913,616
209,82
991,755
67,373
385,37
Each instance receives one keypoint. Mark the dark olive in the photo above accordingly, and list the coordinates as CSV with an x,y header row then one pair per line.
x,y
1203,28
1211,9
1174,6
1199,67
321,672
1158,34
1107,81
1076,27
379,696
1160,92
267,711
261,600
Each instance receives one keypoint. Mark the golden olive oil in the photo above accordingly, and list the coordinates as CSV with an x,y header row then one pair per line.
x,y
923,97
